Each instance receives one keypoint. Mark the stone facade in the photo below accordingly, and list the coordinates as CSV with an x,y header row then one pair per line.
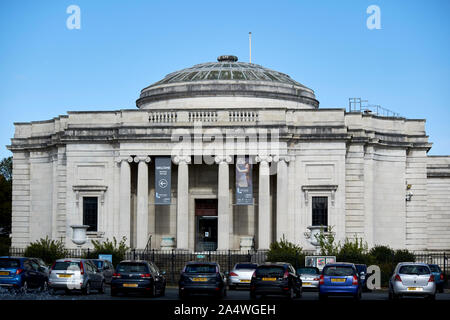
x,y
374,171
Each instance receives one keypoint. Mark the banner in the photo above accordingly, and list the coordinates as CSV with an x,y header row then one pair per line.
x,y
163,167
244,186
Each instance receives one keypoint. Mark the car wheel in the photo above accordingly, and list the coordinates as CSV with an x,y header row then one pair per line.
x,y
153,293
87,289
299,293
291,294
252,295
163,291
113,292
24,288
102,288
441,289
44,287
323,297
183,295
357,297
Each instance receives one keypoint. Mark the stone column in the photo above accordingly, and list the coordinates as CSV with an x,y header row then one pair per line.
x,y
264,214
282,197
142,202
125,199
182,201
224,216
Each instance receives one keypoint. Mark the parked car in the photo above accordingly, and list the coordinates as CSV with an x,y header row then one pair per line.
x,y
362,274
412,279
339,279
138,276
241,275
106,267
75,275
202,277
276,279
438,277
310,277
21,273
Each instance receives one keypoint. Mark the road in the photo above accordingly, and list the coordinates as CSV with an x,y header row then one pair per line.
x,y
172,294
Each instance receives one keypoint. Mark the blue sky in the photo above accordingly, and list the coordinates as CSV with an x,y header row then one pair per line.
x,y
123,46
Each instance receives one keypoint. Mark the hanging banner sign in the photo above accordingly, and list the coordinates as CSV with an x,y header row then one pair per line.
x,y
244,185
163,167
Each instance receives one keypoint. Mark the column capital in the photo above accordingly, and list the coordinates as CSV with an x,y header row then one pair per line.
x,y
179,159
284,158
265,158
145,159
124,158
220,158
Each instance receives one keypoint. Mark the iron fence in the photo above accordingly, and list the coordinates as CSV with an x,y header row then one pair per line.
x,y
173,261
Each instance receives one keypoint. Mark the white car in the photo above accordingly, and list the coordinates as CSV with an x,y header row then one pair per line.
x,y
241,275
310,277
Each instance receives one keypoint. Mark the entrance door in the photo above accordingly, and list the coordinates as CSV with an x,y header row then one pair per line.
x,y
206,224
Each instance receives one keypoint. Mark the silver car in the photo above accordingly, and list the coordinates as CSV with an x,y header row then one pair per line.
x,y
412,279
241,275
310,277
76,274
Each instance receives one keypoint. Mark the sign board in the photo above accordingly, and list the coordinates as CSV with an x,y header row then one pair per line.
x,y
244,186
319,261
163,167
107,257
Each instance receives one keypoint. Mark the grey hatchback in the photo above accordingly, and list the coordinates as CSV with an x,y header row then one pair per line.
x,y
76,274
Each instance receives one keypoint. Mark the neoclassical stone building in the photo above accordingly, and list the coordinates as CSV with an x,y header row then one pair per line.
x,y
229,155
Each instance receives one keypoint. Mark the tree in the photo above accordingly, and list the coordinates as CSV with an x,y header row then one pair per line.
x,y
5,196
284,251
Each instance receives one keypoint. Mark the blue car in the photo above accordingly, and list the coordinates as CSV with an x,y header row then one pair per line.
x,y
339,279
22,274
438,277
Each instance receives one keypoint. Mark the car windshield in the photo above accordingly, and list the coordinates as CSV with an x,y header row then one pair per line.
x,y
275,271
338,271
434,268
307,271
246,266
132,268
98,263
66,265
200,268
412,269
9,263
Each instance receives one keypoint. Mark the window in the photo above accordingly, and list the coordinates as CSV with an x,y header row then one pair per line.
x,y
90,212
319,211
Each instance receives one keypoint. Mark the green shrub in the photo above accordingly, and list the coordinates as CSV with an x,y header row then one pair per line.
x,y
117,250
403,256
284,251
46,249
354,250
382,254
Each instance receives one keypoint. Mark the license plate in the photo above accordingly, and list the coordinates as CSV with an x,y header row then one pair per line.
x,y
306,283
245,281
4,273
338,280
64,275
269,279
200,279
415,289
130,285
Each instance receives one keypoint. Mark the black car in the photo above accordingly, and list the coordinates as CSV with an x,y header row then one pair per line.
x,y
276,279
202,277
138,276
362,274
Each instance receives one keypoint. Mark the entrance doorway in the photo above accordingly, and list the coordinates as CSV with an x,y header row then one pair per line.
x,y
206,224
